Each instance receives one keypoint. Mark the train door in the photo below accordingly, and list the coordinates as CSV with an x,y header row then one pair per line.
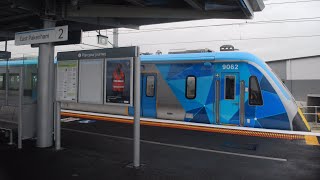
x,y
229,102
148,96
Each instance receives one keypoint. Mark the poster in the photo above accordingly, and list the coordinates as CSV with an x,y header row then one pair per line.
x,y
67,73
91,81
119,79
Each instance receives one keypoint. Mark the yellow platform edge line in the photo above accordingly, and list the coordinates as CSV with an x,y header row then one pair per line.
x,y
190,127
304,119
312,140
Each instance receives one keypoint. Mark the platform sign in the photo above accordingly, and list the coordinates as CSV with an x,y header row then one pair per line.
x,y
119,81
103,40
54,34
5,55
67,80
74,37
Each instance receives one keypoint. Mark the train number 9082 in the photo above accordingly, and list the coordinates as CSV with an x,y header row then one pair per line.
x,y
230,66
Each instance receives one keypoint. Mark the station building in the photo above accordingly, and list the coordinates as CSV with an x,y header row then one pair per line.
x,y
301,76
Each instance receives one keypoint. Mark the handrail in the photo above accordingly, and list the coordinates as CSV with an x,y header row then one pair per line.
x,y
315,112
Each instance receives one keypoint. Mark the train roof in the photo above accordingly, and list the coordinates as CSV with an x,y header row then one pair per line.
x,y
200,56
171,58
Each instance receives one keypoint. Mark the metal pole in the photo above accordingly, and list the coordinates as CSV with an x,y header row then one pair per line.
x,y
137,106
115,37
20,122
316,111
7,75
58,126
11,137
55,106
44,106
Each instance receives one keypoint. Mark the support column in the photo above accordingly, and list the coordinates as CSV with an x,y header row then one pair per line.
x,y
51,84
58,126
137,106
115,37
45,92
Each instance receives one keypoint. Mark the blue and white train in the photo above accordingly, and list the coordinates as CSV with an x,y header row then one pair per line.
x,y
226,88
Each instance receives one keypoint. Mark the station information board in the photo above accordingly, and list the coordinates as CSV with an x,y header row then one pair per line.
x,y
98,76
67,80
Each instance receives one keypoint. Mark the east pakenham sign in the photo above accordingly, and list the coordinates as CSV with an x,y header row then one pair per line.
x,y
39,36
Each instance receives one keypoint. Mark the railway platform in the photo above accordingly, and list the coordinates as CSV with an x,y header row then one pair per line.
x,y
103,150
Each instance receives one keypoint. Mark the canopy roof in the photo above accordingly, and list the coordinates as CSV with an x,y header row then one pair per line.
x,y
87,15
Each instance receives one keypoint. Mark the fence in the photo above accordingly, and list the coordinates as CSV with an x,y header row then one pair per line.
x,y
17,111
312,114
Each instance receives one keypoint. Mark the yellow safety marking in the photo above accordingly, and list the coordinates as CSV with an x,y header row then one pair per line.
x,y
304,119
312,140
190,127
127,112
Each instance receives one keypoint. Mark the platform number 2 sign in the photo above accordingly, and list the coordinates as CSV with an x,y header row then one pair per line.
x,y
61,33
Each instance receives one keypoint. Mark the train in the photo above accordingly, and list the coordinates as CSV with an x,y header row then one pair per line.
x,y
226,88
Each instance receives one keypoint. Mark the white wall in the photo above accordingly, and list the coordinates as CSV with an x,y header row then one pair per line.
x,y
304,69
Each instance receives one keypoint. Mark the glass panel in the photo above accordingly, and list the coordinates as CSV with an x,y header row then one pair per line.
x,y
14,81
230,87
191,87
255,97
150,86
2,81
34,80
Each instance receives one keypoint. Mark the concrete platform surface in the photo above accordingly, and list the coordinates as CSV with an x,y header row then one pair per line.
x,y
103,150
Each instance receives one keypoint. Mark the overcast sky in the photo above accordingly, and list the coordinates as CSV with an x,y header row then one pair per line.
x,y
298,35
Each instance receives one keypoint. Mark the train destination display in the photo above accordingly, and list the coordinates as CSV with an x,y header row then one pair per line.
x,y
119,79
67,84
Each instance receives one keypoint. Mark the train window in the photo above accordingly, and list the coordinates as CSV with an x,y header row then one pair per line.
x,y
2,81
150,86
255,97
191,82
14,81
230,87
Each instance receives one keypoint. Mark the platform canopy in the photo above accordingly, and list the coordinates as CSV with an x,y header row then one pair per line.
x,y
87,15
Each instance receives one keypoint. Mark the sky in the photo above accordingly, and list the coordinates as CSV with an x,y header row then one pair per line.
x,y
284,29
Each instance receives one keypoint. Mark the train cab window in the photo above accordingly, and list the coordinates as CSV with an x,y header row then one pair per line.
x,y
255,97
150,86
191,82
230,87
2,81
14,81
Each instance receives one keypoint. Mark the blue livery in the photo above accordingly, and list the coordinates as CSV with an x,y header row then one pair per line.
x,y
226,88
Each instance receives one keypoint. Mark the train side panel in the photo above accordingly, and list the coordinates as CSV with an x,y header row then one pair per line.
x,y
175,101
201,109
167,104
